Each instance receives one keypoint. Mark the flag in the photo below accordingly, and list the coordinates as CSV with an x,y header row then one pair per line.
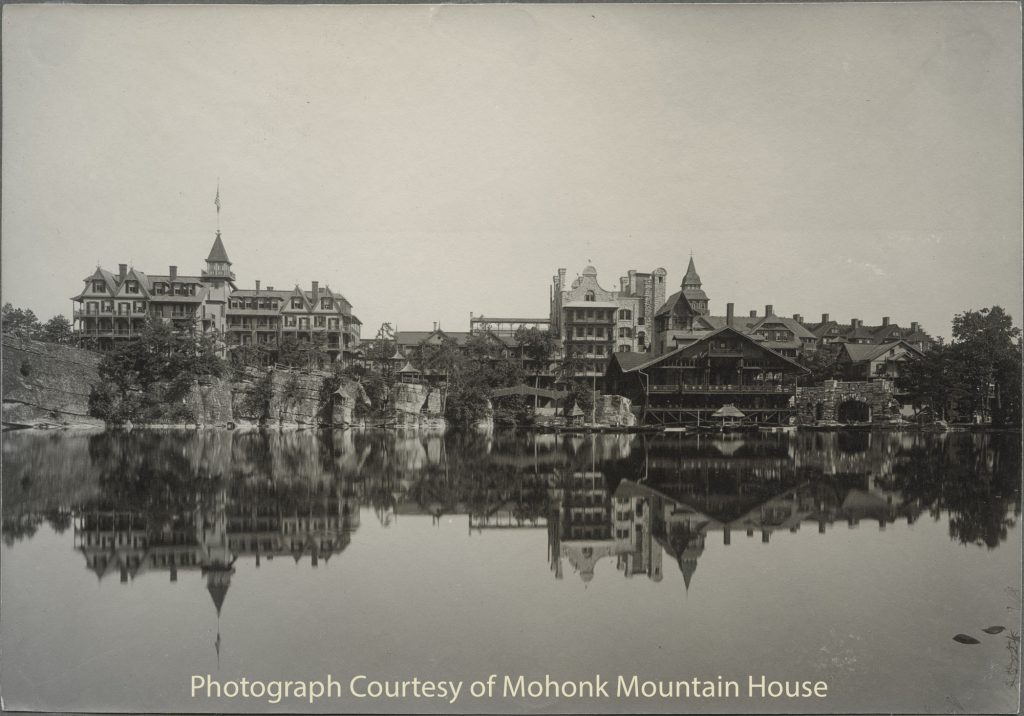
x,y
216,200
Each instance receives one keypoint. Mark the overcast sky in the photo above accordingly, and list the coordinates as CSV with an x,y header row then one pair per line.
x,y
860,160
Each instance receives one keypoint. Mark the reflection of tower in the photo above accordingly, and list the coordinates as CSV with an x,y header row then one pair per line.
x,y
216,558
689,556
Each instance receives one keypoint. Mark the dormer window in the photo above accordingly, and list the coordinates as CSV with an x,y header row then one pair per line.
x,y
99,287
326,303
131,287
589,296
296,303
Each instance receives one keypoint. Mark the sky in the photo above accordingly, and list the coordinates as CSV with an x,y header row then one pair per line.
x,y
861,160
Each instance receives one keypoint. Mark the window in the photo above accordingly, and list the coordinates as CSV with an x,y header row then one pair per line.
x,y
589,296
625,314
641,339
296,303
590,313
99,287
326,303
289,321
625,349
319,321
625,332
132,287
640,321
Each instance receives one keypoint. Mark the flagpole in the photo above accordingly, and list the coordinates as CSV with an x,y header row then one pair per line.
x,y
216,202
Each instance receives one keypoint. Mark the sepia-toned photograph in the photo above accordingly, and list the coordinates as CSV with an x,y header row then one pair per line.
x,y
511,358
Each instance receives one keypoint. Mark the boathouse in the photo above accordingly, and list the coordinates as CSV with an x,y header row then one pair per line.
x,y
688,385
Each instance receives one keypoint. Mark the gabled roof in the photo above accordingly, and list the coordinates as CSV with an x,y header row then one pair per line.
x,y
659,358
859,352
628,361
671,302
217,252
790,323
100,274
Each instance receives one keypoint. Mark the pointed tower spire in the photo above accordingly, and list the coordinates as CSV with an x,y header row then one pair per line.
x,y
218,265
691,279
692,291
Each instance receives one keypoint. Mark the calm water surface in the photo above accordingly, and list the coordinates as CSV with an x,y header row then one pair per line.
x,y
131,562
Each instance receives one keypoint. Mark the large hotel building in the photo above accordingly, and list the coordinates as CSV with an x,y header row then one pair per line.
x,y
112,307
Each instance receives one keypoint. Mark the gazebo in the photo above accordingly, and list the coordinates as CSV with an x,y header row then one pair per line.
x,y
730,415
408,374
574,416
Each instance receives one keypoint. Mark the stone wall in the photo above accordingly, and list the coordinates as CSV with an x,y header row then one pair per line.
x,y
878,396
47,385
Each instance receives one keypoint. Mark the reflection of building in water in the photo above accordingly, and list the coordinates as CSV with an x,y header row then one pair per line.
x,y
686,489
634,539
260,520
580,522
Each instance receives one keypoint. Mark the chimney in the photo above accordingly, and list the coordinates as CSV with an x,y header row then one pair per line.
x,y
435,325
316,290
798,318
854,322
270,288
885,321
728,314
753,314
173,270
257,285
915,327
769,310
824,318
122,270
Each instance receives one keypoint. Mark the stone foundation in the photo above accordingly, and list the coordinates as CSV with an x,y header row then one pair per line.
x,y
822,404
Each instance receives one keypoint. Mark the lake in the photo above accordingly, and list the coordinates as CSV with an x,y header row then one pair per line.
x,y
133,563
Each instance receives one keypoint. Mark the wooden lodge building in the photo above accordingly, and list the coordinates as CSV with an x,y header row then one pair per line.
x,y
687,385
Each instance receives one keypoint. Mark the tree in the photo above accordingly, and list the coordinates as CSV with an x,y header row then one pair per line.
x,y
990,355
147,378
18,321
934,381
821,363
979,372
535,344
57,330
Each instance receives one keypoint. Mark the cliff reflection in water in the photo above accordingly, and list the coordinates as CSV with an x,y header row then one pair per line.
x,y
168,502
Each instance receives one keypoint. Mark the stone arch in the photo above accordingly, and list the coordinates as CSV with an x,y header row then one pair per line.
x,y
853,410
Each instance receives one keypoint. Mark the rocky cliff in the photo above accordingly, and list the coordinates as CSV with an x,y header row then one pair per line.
x,y
416,406
614,411
47,385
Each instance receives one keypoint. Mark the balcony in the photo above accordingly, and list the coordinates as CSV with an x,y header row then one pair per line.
x,y
718,389
105,333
